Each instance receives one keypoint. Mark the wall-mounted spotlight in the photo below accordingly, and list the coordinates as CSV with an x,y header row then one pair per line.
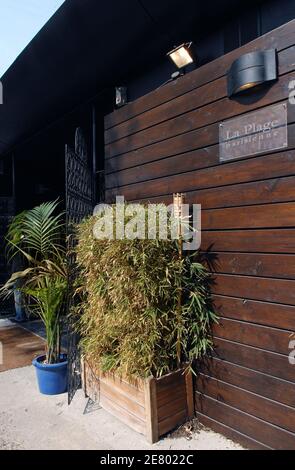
x,y
121,96
251,70
182,56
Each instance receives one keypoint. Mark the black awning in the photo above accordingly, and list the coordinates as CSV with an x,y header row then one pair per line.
x,y
89,45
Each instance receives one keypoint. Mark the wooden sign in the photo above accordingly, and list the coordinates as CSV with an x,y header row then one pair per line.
x,y
256,132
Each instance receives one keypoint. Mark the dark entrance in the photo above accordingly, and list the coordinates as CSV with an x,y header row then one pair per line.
x,y
6,213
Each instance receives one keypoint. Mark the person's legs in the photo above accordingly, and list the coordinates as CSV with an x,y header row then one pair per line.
x,y
20,314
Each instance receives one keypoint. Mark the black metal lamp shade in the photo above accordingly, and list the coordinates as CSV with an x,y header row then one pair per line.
x,y
121,96
250,70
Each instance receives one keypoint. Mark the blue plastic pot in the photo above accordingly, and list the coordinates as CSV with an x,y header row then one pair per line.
x,y
52,378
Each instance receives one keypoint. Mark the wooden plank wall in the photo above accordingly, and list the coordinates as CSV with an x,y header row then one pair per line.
x,y
167,141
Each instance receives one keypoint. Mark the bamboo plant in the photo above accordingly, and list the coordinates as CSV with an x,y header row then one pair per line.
x,y
133,320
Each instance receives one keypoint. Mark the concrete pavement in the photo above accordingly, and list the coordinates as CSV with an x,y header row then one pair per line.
x,y
29,420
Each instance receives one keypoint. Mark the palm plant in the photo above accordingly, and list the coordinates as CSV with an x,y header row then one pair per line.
x,y
49,295
37,236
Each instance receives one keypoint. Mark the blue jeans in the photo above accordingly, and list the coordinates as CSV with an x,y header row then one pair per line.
x,y
20,313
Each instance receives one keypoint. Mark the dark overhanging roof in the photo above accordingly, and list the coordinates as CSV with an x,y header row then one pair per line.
x,y
89,45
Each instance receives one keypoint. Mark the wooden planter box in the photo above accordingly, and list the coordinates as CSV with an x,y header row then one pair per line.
x,y
151,407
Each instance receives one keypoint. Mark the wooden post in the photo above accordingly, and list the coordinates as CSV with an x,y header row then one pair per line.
x,y
151,410
178,200
189,394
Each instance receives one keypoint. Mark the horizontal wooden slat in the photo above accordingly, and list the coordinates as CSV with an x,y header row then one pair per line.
x,y
279,390
266,289
246,441
172,408
263,408
173,411
243,194
213,112
174,378
187,181
170,394
266,433
183,143
250,264
260,216
194,99
274,364
141,168
200,96
197,139
134,387
267,166
264,337
260,168
208,177
283,38
286,59
263,313
252,241
130,419
172,421
122,399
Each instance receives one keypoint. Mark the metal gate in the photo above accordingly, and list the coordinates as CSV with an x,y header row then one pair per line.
x,y
79,204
